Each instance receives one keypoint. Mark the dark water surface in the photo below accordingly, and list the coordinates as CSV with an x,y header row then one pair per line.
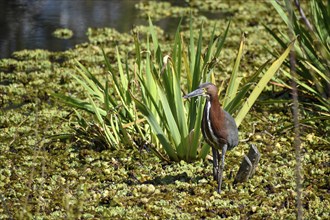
x,y
29,24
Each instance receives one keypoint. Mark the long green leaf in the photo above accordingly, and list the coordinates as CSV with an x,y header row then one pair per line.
x,y
78,103
234,80
93,86
197,132
262,84
239,98
157,130
173,128
109,136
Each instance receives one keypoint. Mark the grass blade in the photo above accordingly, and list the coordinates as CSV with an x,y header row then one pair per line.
x,y
262,84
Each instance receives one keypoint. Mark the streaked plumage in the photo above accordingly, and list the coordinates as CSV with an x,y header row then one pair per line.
x,y
218,127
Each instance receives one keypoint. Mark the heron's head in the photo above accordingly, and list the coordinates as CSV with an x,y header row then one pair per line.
x,y
207,90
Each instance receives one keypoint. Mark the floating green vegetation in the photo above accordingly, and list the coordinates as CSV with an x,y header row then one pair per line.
x,y
210,5
63,33
41,178
157,10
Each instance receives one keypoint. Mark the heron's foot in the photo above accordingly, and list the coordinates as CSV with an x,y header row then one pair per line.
x,y
219,189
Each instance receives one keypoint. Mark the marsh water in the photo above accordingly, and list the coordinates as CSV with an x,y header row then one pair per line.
x,y
26,24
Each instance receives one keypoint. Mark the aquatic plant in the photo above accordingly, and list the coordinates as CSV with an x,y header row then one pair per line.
x,y
61,180
312,53
175,124
63,33
114,122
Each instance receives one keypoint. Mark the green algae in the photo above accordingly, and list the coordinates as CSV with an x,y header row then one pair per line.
x,y
157,10
46,178
63,33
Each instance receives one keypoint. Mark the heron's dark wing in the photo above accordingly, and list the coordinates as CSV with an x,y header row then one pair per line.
x,y
232,131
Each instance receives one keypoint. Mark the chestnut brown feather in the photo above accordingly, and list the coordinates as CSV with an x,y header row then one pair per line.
x,y
218,127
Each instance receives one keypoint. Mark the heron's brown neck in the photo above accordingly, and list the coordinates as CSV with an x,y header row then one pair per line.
x,y
216,106
213,119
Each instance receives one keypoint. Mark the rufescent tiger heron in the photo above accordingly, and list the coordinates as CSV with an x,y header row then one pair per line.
x,y
218,127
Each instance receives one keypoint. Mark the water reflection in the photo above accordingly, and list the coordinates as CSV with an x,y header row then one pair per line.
x,y
28,24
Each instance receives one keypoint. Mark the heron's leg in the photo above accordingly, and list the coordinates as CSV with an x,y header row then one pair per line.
x,y
221,167
215,163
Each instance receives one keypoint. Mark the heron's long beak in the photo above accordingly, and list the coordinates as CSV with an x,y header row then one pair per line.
x,y
197,92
